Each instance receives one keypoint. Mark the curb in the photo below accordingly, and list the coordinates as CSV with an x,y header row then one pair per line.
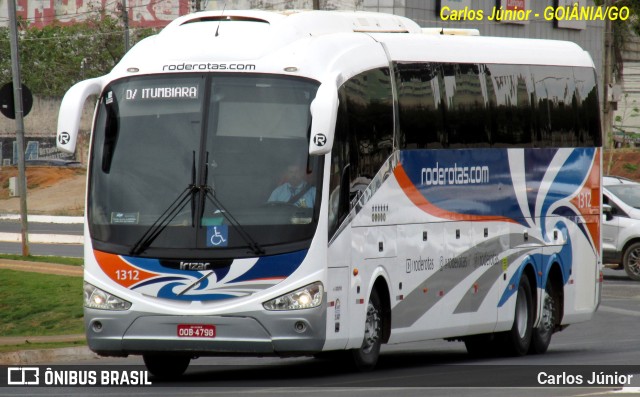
x,y
47,355
43,218
19,340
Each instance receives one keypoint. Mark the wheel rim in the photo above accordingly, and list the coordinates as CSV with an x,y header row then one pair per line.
x,y
521,313
371,328
633,263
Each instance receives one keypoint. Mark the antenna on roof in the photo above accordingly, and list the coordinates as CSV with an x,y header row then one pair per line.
x,y
224,7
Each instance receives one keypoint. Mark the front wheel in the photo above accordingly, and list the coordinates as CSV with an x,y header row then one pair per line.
x,y
518,339
481,346
166,366
366,357
631,261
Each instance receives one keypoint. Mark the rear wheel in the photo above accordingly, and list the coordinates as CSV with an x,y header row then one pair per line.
x,y
518,339
366,357
631,261
166,366
541,337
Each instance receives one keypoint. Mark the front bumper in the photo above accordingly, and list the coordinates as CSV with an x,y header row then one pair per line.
x,y
299,332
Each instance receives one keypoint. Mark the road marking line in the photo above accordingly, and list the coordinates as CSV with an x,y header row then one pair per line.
x,y
44,218
38,238
619,311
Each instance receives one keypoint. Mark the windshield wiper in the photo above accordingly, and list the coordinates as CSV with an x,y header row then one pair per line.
x,y
188,195
169,214
163,220
253,244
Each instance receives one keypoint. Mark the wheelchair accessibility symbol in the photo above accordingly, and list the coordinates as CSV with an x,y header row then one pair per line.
x,y
217,236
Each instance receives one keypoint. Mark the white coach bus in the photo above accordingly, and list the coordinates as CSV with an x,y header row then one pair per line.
x,y
297,183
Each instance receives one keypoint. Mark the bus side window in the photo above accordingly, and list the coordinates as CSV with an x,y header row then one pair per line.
x,y
421,109
587,112
465,116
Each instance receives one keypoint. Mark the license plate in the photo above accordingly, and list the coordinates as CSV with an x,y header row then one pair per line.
x,y
196,331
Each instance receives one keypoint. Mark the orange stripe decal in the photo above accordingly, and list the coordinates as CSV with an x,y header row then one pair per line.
x,y
587,201
421,202
121,271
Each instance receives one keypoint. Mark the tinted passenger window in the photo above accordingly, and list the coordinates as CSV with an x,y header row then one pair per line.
x,y
493,105
510,90
420,103
588,112
466,117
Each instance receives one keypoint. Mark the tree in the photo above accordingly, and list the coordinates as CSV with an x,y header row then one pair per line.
x,y
622,30
55,57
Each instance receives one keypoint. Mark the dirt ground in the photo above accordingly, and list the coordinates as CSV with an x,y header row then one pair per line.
x,y
61,190
623,162
50,191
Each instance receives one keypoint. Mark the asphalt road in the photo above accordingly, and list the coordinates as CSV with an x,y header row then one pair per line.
x,y
75,229
609,342
37,228
70,250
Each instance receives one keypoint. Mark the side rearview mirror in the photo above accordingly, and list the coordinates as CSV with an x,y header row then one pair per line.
x,y
324,112
71,112
607,210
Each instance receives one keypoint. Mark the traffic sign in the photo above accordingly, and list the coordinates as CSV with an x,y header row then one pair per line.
x,y
7,106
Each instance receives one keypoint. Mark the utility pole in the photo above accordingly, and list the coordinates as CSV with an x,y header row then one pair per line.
x,y
125,20
607,112
17,101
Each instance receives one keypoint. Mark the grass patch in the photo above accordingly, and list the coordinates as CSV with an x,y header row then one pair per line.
x,y
33,304
62,260
37,346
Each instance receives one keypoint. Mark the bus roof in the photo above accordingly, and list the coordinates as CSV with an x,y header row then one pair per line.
x,y
317,44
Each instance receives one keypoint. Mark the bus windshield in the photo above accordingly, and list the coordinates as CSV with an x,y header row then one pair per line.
x,y
213,162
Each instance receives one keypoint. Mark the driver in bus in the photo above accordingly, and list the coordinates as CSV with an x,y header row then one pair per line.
x,y
295,189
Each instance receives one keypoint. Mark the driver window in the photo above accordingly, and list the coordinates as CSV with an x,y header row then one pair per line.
x,y
363,140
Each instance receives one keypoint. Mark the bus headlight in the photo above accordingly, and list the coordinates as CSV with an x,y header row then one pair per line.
x,y
304,298
95,298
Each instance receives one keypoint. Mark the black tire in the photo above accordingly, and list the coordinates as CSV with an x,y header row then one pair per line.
x,y
164,366
366,357
483,345
631,261
518,339
541,337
